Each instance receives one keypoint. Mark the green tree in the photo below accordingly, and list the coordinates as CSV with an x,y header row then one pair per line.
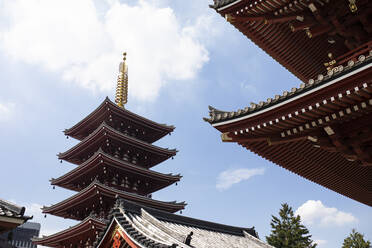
x,y
288,232
355,240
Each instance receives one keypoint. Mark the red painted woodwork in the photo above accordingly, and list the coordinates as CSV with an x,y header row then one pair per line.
x,y
324,136
127,239
85,230
113,158
85,173
112,114
321,130
300,35
117,241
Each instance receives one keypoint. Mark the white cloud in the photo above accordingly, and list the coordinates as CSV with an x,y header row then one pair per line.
x,y
85,45
34,209
229,177
314,212
252,89
320,242
48,225
6,111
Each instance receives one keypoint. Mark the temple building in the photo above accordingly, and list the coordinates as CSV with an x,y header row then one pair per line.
x,y
321,130
135,226
114,182
11,216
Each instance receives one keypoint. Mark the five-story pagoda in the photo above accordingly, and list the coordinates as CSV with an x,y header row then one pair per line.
x,y
113,159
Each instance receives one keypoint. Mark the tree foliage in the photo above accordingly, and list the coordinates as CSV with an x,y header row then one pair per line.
x,y
355,240
288,232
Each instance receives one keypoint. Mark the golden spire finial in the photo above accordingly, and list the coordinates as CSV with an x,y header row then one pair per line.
x,y
121,97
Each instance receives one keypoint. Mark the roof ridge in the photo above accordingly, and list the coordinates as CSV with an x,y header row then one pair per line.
x,y
12,207
217,116
185,220
157,223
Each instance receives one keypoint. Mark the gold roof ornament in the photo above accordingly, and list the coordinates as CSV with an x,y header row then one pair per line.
x,y
352,5
329,65
121,97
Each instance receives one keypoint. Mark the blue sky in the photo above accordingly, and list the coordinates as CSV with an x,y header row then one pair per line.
x,y
59,60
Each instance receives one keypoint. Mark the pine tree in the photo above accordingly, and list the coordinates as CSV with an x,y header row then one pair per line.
x,y
288,232
355,240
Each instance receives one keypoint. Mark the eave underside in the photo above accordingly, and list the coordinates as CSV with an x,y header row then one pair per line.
x,y
108,138
9,223
81,234
328,141
100,199
282,29
328,169
119,174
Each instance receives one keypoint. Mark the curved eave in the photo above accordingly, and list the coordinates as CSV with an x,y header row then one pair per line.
x,y
131,235
327,169
96,189
163,180
15,219
104,131
270,49
108,106
187,221
224,4
87,227
8,223
272,108
266,24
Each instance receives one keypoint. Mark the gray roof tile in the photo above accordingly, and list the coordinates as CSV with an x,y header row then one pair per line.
x,y
154,228
9,209
221,3
217,116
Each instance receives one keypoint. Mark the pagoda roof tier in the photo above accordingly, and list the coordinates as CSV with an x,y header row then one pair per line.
x,y
107,111
104,136
75,236
321,131
102,163
97,195
301,35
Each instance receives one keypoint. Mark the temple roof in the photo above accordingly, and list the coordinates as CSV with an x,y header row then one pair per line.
x,y
322,133
103,133
321,130
11,215
100,159
83,128
148,227
304,37
86,230
222,3
364,63
94,193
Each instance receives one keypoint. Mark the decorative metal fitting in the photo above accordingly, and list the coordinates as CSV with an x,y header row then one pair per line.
x,y
229,18
352,5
